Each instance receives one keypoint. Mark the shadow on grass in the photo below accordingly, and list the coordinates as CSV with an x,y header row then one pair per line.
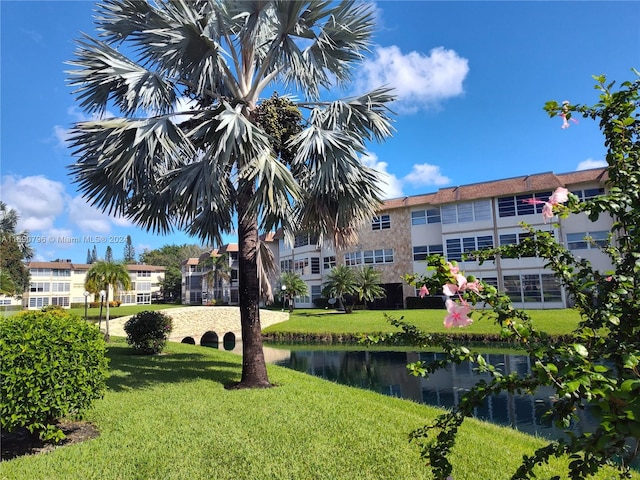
x,y
133,371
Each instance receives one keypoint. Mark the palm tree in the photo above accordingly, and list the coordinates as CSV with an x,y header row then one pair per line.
x,y
104,276
8,224
206,167
368,284
341,281
220,272
294,287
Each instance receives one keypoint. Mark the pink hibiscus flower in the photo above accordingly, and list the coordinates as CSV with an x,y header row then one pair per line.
x,y
458,314
423,291
560,195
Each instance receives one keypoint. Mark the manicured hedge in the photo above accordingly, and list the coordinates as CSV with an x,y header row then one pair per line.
x,y
52,365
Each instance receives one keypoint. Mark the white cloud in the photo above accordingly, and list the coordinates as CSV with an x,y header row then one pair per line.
x,y
37,200
389,184
591,163
424,174
420,81
91,219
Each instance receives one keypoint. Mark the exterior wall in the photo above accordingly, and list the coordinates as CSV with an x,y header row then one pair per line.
x,y
306,259
62,283
397,237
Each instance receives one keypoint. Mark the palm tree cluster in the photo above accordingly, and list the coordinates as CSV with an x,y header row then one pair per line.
x,y
213,168
345,283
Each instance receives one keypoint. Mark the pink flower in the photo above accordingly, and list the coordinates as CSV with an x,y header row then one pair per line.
x,y
547,211
563,115
453,268
463,285
423,291
458,314
560,195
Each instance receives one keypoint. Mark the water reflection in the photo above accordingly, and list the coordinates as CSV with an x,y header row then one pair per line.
x,y
386,373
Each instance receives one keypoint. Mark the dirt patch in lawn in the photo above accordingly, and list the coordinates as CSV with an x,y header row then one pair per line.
x,y
20,442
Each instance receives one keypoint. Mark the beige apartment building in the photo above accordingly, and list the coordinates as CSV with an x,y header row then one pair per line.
x,y
62,283
450,222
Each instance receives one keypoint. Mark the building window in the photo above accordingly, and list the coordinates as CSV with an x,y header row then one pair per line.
x,y
328,262
40,272
39,287
418,218
286,266
533,288
422,217
377,257
522,204
143,274
145,298
38,302
300,266
423,251
315,265
457,246
316,292
381,222
353,258
586,240
466,212
60,301
60,273
145,286
454,249
512,287
588,193
60,287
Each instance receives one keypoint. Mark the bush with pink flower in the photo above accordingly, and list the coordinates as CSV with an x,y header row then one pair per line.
x,y
599,368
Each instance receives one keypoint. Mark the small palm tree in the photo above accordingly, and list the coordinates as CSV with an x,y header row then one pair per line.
x,y
295,287
341,281
220,272
369,288
104,276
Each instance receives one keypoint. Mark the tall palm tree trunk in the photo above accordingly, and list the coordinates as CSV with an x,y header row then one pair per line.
x,y
254,368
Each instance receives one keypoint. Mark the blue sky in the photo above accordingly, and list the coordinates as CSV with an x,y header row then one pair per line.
x,y
471,77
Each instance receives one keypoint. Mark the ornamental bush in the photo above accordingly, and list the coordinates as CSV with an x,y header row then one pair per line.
x,y
147,331
598,368
52,365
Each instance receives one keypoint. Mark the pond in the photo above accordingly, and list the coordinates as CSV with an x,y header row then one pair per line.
x,y
385,372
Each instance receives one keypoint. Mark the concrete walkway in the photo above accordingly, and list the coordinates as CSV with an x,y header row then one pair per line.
x,y
195,321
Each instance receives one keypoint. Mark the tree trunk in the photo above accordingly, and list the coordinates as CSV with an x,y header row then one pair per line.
x,y
254,368
107,336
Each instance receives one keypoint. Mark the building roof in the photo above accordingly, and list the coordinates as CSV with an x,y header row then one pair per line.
x,y
507,186
86,266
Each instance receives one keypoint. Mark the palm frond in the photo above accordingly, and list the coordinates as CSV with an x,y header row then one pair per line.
x,y
105,75
341,193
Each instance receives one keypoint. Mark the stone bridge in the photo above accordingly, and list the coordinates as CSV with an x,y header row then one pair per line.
x,y
209,326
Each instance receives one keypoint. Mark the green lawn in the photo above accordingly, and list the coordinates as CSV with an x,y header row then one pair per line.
x,y
121,311
554,322
170,417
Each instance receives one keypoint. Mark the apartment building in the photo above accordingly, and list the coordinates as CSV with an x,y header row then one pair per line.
x,y
200,284
450,222
62,283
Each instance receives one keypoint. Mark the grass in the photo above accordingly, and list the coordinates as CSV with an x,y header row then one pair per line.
x,y
121,311
170,417
554,322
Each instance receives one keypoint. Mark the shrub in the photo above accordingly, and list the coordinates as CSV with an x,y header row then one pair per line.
x,y
53,365
321,302
51,308
429,302
147,331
